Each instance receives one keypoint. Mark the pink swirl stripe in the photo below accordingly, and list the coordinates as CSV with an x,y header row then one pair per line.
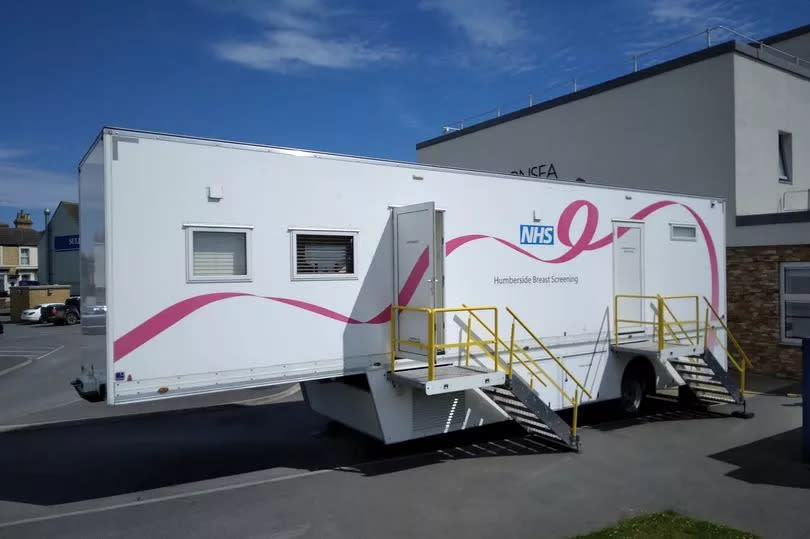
x,y
172,314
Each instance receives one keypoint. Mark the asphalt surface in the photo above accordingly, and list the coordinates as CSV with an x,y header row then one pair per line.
x,y
37,363
269,467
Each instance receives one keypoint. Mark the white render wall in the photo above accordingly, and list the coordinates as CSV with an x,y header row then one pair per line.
x,y
667,132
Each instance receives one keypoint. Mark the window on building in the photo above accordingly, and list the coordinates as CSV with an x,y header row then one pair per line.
x,y
25,256
795,299
218,253
682,232
785,157
323,254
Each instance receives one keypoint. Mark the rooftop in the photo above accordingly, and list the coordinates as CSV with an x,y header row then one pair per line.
x,y
761,50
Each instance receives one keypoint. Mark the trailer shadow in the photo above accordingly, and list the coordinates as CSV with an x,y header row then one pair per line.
x,y
114,456
607,416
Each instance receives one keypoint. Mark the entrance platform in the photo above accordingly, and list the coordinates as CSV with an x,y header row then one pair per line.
x,y
448,378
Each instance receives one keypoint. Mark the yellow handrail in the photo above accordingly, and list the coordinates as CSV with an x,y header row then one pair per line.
x,y
549,352
743,365
661,324
431,345
508,367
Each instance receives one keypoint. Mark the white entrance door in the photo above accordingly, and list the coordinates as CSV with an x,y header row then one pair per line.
x,y
628,273
415,272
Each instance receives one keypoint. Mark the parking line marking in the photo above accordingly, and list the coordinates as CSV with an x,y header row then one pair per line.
x,y
15,367
170,497
51,352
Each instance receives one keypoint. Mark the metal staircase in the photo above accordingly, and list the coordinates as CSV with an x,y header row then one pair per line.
x,y
511,385
519,401
689,360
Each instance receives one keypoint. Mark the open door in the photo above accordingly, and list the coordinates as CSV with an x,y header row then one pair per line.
x,y
628,273
418,256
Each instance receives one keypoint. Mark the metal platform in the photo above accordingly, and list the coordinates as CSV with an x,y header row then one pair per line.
x,y
448,378
649,348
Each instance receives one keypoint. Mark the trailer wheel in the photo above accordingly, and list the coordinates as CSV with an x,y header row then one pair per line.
x,y
637,381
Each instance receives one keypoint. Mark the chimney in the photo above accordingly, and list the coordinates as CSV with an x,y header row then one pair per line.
x,y
23,220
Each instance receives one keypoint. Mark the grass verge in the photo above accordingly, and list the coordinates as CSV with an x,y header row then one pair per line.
x,y
667,525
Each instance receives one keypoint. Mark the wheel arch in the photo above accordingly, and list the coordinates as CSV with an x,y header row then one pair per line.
x,y
641,367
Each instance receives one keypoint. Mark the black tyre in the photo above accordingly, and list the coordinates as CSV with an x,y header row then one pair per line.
x,y
71,318
634,392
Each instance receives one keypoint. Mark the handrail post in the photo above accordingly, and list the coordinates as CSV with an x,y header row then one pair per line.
x,y
393,338
575,416
431,346
497,357
511,349
469,330
706,330
616,319
742,378
697,320
660,323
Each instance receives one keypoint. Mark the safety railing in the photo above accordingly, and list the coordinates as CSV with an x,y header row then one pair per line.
x,y
666,323
664,319
740,364
431,347
535,370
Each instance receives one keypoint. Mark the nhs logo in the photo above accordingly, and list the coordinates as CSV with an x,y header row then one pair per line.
x,y
536,235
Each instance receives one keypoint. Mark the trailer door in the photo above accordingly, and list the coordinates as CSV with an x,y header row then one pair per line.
x,y
628,273
416,272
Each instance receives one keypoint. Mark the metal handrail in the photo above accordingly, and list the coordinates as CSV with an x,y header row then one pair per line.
x,y
549,352
502,343
431,345
741,366
660,323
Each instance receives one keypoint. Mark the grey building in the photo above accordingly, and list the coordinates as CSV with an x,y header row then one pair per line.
x,y
731,121
59,248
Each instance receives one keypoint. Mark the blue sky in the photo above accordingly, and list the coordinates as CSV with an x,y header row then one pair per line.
x,y
352,76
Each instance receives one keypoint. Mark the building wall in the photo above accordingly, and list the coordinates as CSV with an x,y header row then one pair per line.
x,y
11,255
767,101
65,264
668,132
754,309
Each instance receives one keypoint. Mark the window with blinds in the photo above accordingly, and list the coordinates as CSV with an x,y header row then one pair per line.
x,y
218,255
321,255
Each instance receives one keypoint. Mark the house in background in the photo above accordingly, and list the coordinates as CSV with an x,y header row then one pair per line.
x,y
731,121
59,247
18,251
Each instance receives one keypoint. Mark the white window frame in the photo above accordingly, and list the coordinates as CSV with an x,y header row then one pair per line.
x,y
247,230
685,225
295,276
29,257
783,298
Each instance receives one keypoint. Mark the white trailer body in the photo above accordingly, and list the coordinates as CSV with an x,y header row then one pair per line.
x,y
210,265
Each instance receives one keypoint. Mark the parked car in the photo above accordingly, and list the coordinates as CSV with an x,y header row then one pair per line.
x,y
64,313
36,314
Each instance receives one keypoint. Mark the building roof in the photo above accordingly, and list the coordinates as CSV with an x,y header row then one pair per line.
x,y
26,237
790,34
676,63
72,209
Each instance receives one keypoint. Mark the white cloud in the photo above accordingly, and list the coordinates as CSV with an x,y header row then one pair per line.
x,y
302,33
280,51
24,186
494,24
7,153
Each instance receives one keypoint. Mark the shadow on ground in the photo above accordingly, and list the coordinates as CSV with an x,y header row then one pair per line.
x,y
113,456
776,460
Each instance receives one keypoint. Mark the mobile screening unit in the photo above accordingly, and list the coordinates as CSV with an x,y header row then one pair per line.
x,y
409,300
